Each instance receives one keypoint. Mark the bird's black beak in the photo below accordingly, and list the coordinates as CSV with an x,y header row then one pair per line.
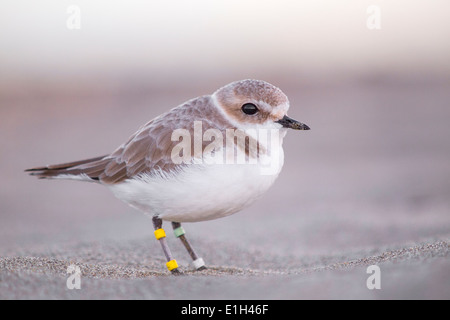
x,y
293,124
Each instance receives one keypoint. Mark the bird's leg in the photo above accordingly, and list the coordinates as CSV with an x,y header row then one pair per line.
x,y
160,235
179,232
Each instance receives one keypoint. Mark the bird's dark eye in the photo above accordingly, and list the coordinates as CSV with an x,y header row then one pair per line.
x,y
249,108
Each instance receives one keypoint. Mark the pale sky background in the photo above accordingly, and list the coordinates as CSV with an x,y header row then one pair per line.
x,y
170,37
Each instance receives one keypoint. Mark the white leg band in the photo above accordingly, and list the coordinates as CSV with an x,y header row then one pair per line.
x,y
198,263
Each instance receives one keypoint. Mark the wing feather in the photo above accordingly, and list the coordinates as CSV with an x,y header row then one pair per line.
x,y
147,151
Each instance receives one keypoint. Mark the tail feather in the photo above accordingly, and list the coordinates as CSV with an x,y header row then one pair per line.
x,y
89,169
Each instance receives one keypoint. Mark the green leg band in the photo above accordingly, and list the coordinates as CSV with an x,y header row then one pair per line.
x,y
179,232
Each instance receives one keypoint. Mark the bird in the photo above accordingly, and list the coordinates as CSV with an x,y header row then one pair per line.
x,y
205,159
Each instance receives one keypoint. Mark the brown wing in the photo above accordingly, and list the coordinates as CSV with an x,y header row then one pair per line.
x,y
150,148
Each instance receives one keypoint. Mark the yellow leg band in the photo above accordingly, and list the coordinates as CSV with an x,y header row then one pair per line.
x,y
160,233
172,264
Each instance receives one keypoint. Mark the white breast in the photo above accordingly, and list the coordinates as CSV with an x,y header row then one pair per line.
x,y
200,192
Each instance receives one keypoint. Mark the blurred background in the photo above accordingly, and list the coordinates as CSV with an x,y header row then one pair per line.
x,y
373,171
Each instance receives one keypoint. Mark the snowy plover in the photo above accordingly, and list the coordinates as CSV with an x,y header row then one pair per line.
x,y
205,159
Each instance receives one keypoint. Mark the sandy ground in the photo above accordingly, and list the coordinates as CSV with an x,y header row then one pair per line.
x,y
119,271
369,184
